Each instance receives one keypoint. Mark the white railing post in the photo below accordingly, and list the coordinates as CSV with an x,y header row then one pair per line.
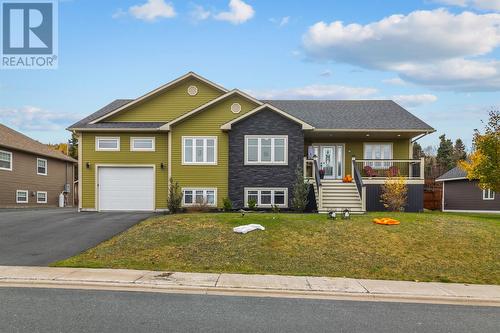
x,y
422,167
363,198
304,168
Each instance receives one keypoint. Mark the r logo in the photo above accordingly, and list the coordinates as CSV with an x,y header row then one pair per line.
x,y
27,28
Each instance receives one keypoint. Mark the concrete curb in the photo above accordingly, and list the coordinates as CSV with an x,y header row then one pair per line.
x,y
250,285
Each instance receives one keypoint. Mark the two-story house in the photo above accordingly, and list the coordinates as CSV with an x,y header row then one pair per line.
x,y
218,143
31,173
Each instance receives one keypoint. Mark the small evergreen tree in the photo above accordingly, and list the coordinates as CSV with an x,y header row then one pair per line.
x,y
227,205
300,191
459,151
73,146
174,196
445,154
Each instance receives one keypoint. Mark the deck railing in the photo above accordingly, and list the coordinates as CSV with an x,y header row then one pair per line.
x,y
383,168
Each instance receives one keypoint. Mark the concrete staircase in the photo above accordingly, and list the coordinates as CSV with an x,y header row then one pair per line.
x,y
338,196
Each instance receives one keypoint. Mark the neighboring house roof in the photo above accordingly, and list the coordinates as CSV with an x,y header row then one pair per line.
x,y
454,174
15,140
350,115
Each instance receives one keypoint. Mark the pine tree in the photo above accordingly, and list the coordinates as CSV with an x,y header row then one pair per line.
x,y
445,154
73,146
459,151
418,151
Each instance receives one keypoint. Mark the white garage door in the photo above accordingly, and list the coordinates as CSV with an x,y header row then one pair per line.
x,y
126,188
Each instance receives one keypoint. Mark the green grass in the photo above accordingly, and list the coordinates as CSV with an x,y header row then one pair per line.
x,y
424,247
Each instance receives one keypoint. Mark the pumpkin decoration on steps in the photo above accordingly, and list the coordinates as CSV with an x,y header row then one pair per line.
x,y
347,179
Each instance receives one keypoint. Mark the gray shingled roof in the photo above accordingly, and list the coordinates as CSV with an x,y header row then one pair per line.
x,y
348,114
453,173
105,110
324,114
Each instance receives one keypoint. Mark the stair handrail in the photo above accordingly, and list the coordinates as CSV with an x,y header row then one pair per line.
x,y
357,178
317,178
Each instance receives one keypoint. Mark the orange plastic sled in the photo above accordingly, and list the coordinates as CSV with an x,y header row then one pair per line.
x,y
386,221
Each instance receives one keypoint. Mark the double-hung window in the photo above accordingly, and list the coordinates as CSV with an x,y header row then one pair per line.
x,y
5,160
21,196
142,144
266,149
267,197
488,194
199,150
199,196
378,151
105,143
41,166
41,197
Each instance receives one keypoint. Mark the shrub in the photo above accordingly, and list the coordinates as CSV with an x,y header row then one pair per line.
x,y
252,203
174,196
200,207
227,205
276,209
300,191
394,193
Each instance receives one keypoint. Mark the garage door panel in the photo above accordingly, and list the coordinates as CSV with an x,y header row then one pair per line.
x,y
126,188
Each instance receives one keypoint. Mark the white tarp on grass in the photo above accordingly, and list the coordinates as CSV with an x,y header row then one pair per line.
x,y
243,229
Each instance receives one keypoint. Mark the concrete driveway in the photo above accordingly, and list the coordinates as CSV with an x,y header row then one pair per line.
x,y
40,236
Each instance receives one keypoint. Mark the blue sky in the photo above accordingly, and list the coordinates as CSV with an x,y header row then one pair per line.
x,y
440,59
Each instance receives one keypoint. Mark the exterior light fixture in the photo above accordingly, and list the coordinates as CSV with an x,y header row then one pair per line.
x,y
162,165
87,165
367,134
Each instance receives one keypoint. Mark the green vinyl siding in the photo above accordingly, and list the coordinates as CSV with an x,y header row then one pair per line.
x,y
169,104
207,123
123,157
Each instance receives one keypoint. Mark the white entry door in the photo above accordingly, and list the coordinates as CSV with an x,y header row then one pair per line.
x,y
331,159
123,188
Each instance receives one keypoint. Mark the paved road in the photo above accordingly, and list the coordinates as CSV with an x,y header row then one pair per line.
x,y
59,310
39,237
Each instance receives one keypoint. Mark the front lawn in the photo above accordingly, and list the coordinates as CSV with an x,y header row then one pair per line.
x,y
424,247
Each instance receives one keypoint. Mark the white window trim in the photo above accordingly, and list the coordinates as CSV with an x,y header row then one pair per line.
x,y
98,138
11,160
272,189
132,140
46,167
38,200
204,189
259,162
491,195
184,138
372,163
17,196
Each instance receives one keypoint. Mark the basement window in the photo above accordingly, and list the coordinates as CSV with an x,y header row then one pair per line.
x,y
199,196
267,197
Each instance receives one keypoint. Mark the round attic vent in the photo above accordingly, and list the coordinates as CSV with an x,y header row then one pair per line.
x,y
236,108
192,90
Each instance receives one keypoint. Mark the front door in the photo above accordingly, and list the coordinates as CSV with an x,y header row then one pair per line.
x,y
327,161
331,159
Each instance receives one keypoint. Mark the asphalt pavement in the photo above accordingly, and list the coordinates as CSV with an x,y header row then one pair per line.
x,y
61,310
37,237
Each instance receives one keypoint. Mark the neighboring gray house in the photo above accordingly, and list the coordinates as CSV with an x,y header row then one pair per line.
x,y
463,195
